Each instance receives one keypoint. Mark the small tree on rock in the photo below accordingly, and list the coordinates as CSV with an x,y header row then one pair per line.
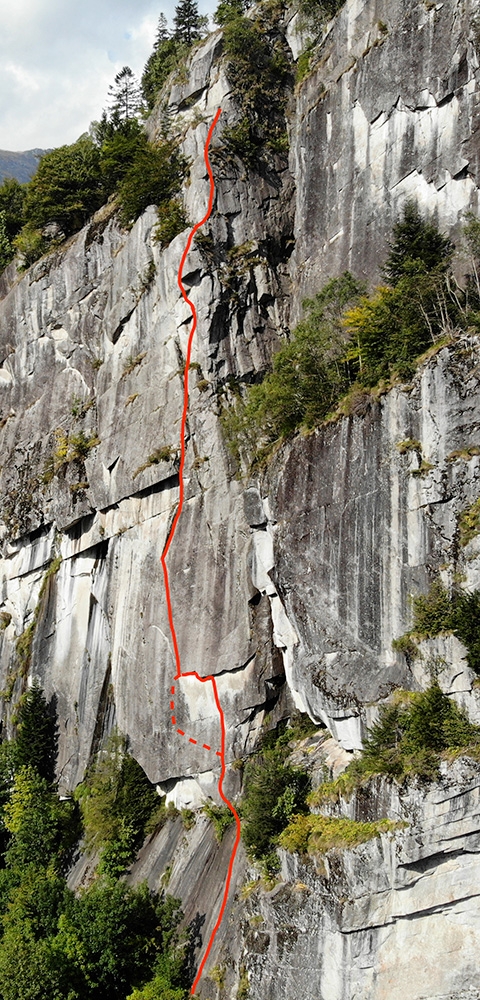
x,y
161,62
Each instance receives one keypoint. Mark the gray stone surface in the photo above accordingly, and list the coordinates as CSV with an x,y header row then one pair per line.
x,y
390,112
290,587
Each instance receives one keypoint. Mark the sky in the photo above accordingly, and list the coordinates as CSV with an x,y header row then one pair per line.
x,y
58,58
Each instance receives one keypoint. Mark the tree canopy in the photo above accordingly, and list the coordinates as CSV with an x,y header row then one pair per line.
x,y
67,187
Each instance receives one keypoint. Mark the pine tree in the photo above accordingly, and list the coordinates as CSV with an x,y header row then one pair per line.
x,y
36,742
229,10
187,21
161,62
415,242
125,95
162,32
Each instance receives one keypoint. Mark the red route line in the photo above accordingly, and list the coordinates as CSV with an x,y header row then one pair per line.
x,y
211,679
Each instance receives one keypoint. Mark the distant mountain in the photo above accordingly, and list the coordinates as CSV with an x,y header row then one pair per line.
x,y
19,165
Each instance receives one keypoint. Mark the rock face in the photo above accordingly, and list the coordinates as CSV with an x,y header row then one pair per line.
x,y
346,593
395,917
389,113
289,588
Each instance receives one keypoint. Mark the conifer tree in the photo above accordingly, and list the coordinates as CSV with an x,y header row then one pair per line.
x,y
415,243
36,742
125,95
229,10
187,21
161,62
162,32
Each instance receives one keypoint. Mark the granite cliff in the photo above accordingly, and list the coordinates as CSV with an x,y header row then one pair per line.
x,y
291,586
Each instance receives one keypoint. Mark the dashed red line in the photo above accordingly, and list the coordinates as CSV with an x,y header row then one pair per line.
x,y
181,733
179,673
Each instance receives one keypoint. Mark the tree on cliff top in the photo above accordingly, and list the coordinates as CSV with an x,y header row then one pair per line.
x,y
6,250
125,95
187,21
160,64
229,10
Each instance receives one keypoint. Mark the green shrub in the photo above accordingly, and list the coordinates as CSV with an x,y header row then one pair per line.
x,y
416,246
66,188
12,197
117,800
37,736
409,444
132,362
7,251
440,612
469,523
315,13
308,835
153,178
166,57
465,623
188,818
220,816
303,65
23,646
273,793
171,221
5,619
30,244
68,448
309,373
116,935
431,612
259,73
122,142
102,942
410,737
229,10
349,342
43,830
395,325
406,644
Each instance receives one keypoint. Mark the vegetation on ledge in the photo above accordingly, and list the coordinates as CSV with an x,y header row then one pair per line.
x,y
273,792
351,346
113,160
414,733
440,612
315,834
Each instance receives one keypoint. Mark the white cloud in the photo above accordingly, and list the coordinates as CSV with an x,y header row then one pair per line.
x,y
22,79
58,58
